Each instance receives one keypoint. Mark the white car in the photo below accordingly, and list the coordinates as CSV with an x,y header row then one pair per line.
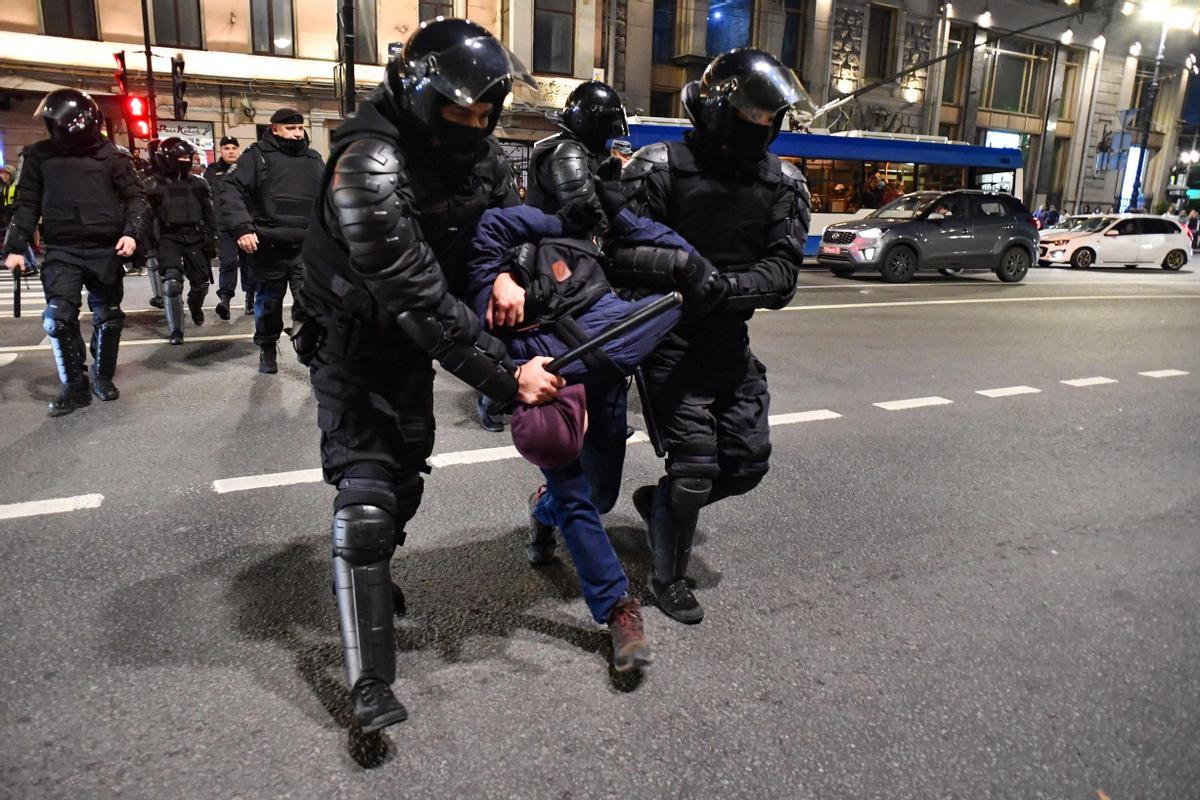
x,y
1128,240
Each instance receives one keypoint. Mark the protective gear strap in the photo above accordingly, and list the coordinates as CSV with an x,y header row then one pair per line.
x,y
364,539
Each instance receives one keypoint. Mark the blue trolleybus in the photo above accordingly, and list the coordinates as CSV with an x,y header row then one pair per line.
x,y
851,174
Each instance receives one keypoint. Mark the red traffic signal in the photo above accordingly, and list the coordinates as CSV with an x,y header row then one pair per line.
x,y
122,74
137,115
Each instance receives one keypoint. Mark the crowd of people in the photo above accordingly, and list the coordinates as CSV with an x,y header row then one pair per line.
x,y
411,245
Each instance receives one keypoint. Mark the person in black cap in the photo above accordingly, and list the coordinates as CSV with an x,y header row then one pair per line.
x,y
233,260
92,208
267,200
410,174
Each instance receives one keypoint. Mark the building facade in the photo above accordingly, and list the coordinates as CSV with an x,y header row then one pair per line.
x,y
1065,92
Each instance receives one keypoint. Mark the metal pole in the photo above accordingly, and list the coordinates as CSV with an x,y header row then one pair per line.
x,y
1148,105
348,56
150,101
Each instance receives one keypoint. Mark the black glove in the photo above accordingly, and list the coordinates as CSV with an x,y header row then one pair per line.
x,y
611,198
210,249
701,285
580,216
610,169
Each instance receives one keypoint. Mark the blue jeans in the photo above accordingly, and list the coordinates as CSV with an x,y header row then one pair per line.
x,y
586,488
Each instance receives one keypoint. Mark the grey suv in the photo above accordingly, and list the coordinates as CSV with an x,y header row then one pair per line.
x,y
947,231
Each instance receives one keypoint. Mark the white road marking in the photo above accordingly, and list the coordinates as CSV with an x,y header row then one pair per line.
x,y
803,416
7,358
1098,380
225,485
975,300
58,505
915,402
1008,391
1164,373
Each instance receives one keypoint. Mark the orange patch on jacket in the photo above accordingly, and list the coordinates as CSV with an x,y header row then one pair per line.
x,y
561,270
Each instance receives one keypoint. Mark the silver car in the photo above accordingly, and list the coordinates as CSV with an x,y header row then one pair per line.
x,y
946,231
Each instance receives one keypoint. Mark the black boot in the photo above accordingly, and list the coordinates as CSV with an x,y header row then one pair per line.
x,y
106,339
673,519
267,363
375,706
70,397
195,305
249,304
68,357
222,308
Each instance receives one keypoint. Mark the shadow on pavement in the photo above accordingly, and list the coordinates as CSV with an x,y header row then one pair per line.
x,y
464,601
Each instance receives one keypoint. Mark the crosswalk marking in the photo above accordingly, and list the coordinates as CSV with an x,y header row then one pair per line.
x,y
1007,391
1164,373
915,402
56,506
1098,380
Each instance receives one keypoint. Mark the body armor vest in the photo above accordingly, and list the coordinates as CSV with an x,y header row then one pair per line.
x,y
180,205
79,200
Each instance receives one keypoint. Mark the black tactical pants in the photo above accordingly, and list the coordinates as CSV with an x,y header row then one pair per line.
x,y
66,271
179,259
274,269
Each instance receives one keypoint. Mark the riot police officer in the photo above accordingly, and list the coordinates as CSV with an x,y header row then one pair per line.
x,y
746,212
92,208
409,176
562,165
145,173
183,238
233,260
267,198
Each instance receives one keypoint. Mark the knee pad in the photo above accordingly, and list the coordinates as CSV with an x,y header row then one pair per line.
x,y
693,460
109,318
172,287
688,495
58,318
363,534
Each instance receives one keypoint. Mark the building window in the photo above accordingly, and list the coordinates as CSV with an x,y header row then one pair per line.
x,y
1015,78
662,104
177,23
273,32
730,25
430,11
795,35
554,36
73,18
881,42
663,43
956,66
366,32
1141,91
1072,59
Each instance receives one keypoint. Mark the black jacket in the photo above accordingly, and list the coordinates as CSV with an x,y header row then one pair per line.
x,y
182,210
271,192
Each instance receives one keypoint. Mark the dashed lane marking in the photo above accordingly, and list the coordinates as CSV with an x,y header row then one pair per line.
x,y
1007,391
7,358
977,300
58,505
1098,380
1164,373
225,485
803,416
914,402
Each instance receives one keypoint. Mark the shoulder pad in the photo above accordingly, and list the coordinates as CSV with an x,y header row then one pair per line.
x,y
791,173
569,148
651,158
369,154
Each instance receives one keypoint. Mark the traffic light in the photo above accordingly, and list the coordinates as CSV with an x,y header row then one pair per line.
x,y
178,87
122,74
137,116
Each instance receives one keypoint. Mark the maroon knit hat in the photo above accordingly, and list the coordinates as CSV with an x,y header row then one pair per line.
x,y
551,435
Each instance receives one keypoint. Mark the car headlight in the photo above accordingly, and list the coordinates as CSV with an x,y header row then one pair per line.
x,y
870,233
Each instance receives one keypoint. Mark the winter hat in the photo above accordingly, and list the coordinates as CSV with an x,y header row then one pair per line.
x,y
551,435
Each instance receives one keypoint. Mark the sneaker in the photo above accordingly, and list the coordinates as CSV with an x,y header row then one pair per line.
x,y
630,649
677,601
222,309
103,387
156,302
491,422
176,337
70,397
540,549
267,363
375,706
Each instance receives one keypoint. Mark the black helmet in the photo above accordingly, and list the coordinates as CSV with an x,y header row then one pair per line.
x,y
174,156
451,61
740,91
594,113
71,117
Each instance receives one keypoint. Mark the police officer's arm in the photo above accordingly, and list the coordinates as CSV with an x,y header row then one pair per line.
x,y
504,187
148,240
770,282
28,208
133,195
646,180
371,202
204,192
569,174
239,185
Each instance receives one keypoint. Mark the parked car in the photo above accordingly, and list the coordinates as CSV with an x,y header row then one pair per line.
x,y
1127,240
947,231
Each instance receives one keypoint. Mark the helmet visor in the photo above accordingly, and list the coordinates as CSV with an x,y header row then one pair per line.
x,y
467,71
763,92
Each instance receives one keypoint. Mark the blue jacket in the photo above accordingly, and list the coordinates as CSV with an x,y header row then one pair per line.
x,y
502,229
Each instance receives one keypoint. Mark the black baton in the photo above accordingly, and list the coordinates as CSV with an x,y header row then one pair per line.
x,y
653,432
639,317
16,273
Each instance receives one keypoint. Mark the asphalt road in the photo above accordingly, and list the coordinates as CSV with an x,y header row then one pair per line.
x,y
970,596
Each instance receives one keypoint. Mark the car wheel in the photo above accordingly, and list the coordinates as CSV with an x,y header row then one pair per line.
x,y
1013,265
1174,260
951,272
1083,258
899,265
842,270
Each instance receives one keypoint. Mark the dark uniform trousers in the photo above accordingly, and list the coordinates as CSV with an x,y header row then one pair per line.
x,y
233,265
181,257
275,268
66,271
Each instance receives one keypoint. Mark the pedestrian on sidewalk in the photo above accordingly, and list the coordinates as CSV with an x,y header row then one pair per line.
x,y
92,208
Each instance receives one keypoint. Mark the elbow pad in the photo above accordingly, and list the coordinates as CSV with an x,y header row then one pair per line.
x,y
648,267
481,364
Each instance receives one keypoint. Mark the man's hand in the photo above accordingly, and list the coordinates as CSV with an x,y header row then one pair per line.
x,y
125,246
535,386
248,242
15,261
506,306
